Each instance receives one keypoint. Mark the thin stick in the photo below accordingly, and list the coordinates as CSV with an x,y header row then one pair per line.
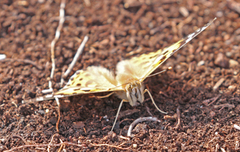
x,y
43,98
43,145
47,91
62,79
214,99
223,150
57,35
141,119
24,61
17,136
230,106
48,149
206,102
178,119
64,144
217,85
79,52
148,110
59,113
99,145
61,147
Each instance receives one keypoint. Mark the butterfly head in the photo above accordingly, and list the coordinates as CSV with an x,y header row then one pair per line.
x,y
135,93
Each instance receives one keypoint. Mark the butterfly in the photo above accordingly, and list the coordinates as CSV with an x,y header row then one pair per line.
x,y
127,83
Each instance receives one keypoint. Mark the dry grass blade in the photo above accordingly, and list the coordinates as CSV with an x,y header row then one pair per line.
x,y
57,35
79,52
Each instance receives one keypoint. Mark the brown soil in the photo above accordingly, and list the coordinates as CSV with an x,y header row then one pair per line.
x,y
203,84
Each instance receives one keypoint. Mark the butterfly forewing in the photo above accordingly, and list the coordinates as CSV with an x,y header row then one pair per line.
x,y
150,62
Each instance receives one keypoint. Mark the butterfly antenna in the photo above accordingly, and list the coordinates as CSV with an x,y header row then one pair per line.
x,y
120,106
169,68
146,90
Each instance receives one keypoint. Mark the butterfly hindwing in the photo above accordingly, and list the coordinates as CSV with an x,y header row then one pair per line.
x,y
92,80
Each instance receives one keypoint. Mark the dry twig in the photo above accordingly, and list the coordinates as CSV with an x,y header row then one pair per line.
x,y
51,142
59,114
61,145
141,119
214,99
118,147
178,119
217,85
139,14
42,145
230,106
24,61
79,52
176,116
57,35
17,136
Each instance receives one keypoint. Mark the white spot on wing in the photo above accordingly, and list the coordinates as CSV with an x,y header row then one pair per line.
x,y
190,37
159,58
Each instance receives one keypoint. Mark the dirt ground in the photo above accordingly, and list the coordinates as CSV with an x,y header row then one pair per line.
x,y
203,84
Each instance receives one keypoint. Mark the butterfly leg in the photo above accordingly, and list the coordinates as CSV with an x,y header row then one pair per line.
x,y
120,106
146,90
105,95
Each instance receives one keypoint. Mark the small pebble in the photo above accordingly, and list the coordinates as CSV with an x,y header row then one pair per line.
x,y
41,1
104,42
226,37
233,63
184,11
47,111
236,127
134,145
219,14
200,63
42,112
229,54
232,88
221,61
2,56
212,114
